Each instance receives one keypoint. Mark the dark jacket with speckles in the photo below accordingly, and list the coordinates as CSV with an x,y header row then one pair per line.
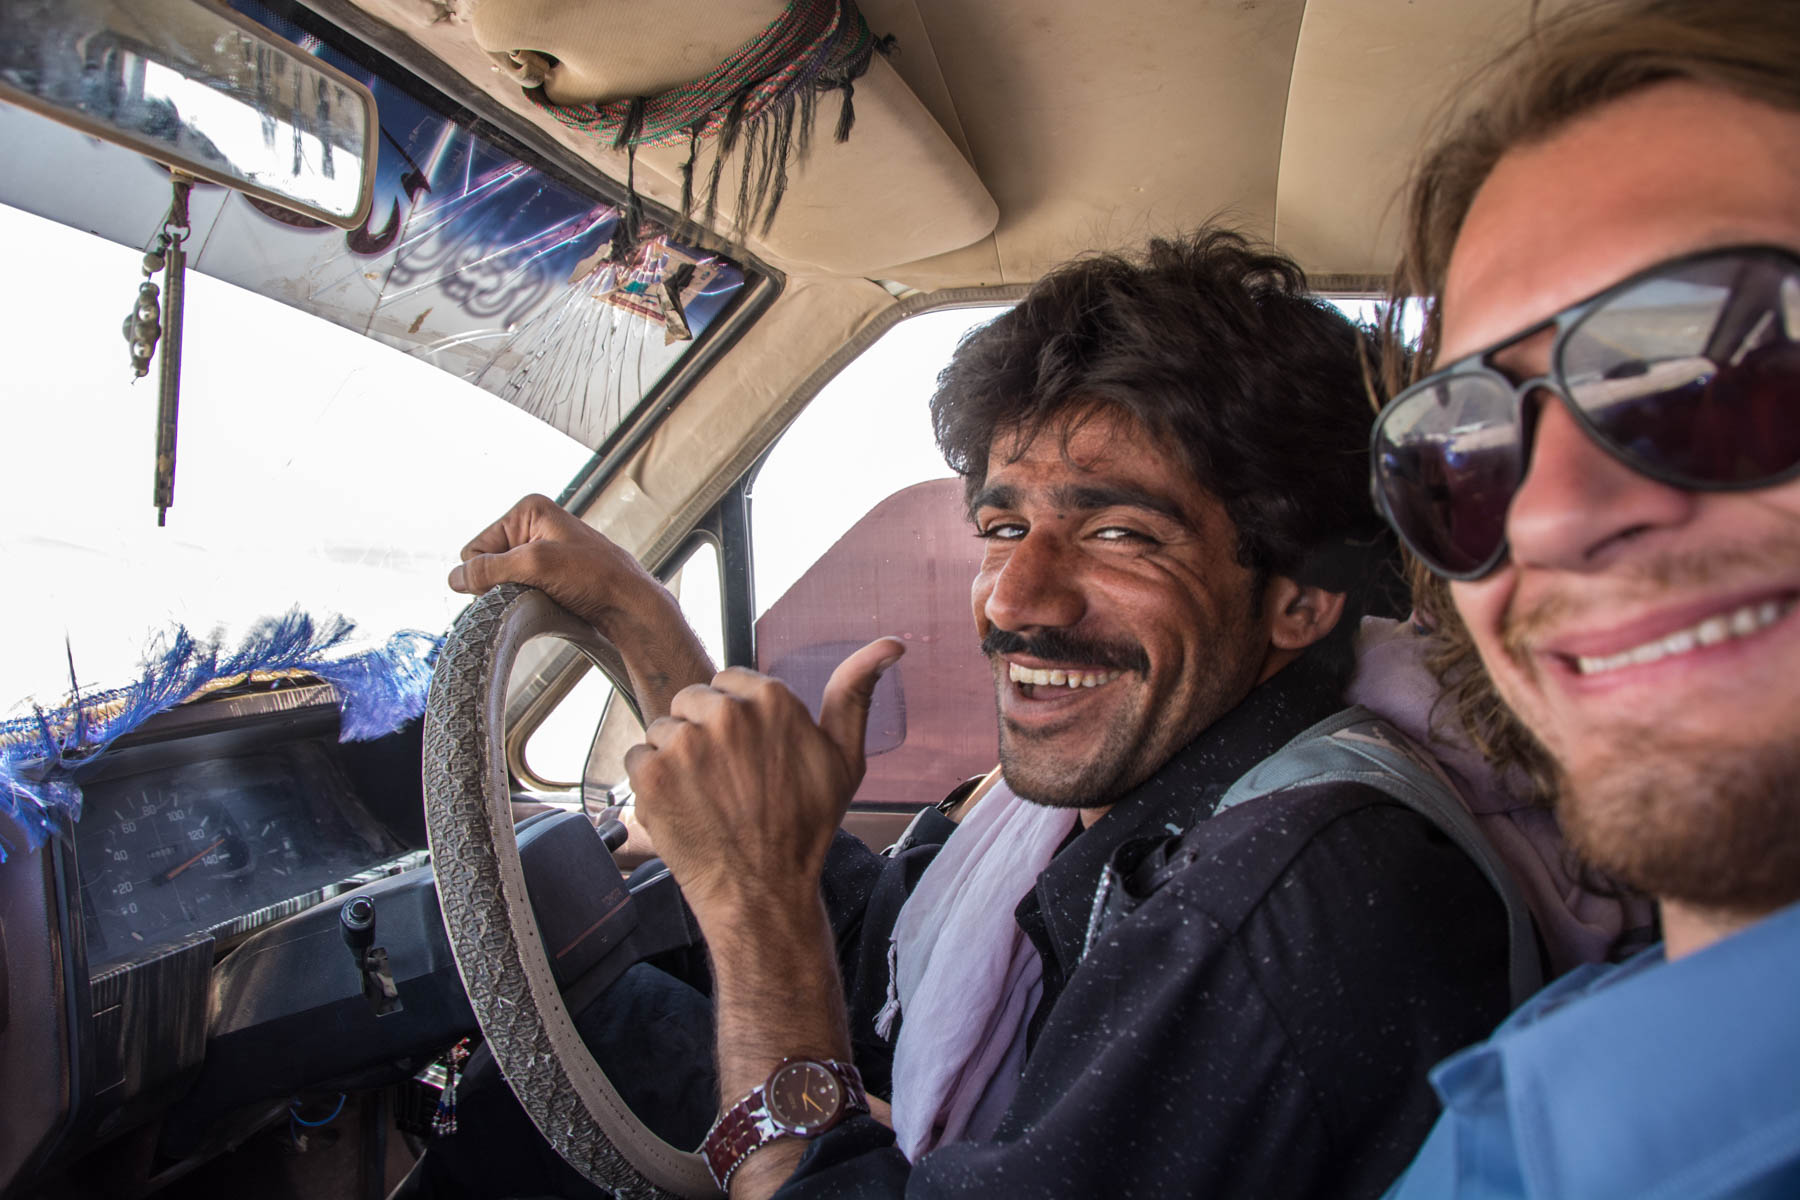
x,y
1259,1025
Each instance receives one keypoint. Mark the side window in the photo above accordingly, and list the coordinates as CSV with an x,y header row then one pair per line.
x,y
857,530
590,716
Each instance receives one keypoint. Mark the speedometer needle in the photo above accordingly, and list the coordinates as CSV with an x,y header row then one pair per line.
x,y
172,872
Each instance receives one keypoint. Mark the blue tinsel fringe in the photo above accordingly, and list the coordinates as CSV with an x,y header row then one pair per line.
x,y
380,690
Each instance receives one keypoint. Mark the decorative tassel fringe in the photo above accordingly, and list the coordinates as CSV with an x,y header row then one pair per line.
x,y
762,99
379,689
890,1009
627,235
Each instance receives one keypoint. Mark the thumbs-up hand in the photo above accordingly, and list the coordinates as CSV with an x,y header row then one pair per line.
x,y
741,790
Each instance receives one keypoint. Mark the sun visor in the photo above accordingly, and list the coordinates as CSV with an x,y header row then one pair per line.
x,y
895,190
1370,79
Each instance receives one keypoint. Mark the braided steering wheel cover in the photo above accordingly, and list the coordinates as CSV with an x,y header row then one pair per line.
x,y
488,918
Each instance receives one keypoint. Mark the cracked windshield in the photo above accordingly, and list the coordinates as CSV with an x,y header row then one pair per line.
x,y
353,405
316,469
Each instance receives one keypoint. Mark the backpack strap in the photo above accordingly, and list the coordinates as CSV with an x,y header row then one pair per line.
x,y
1357,746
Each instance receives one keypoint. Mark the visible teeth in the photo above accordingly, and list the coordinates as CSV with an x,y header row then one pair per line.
x,y
1710,632
1059,677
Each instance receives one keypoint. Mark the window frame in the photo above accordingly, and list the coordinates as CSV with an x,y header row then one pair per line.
x,y
565,675
726,521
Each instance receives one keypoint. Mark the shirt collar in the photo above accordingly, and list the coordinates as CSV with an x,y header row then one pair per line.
x,y
1666,1078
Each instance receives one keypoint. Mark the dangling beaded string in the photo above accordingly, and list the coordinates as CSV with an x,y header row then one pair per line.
x,y
143,324
443,1120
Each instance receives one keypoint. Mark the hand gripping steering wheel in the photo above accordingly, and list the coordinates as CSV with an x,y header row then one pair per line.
x,y
488,916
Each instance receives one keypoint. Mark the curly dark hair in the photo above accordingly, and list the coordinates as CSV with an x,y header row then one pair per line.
x,y
1213,345
1565,67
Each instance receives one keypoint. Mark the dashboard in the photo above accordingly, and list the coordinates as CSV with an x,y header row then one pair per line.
x,y
210,824
211,845
174,971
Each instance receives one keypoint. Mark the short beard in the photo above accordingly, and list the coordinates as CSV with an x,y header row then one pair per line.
x,y
1710,826
1704,822
1132,750
1101,779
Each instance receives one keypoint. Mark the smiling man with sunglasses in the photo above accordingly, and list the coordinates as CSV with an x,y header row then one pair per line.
x,y
1598,476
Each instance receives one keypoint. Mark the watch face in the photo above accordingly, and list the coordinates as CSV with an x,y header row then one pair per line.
x,y
804,1098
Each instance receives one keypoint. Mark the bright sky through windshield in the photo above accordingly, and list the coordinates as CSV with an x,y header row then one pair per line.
x,y
864,437
315,468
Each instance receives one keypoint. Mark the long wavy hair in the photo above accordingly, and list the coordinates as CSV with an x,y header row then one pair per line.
x,y
1566,66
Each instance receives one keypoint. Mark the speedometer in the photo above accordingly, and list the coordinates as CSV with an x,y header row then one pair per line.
x,y
161,856
167,853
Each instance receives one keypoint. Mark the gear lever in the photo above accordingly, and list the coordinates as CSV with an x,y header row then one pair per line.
x,y
356,919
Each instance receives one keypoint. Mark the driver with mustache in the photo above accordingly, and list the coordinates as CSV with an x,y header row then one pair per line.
x,y
1165,458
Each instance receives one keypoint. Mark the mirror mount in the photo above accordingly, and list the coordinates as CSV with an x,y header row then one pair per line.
x,y
174,236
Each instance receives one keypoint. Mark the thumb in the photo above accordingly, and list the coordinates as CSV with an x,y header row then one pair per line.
x,y
844,711
479,572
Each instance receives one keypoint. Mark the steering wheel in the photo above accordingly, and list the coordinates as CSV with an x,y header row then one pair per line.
x,y
488,916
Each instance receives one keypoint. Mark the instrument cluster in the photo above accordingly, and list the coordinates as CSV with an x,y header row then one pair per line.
x,y
183,849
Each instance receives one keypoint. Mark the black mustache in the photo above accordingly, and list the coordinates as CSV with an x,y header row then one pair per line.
x,y
1058,646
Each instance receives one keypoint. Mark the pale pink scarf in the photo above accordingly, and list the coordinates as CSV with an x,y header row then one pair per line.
x,y
964,974
1578,925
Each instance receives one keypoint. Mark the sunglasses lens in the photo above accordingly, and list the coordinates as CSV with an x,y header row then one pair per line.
x,y
1447,461
1692,374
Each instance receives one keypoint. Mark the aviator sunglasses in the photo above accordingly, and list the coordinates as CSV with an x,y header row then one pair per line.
x,y
1684,372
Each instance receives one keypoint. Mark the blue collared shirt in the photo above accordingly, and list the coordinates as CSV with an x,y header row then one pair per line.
x,y
1648,1079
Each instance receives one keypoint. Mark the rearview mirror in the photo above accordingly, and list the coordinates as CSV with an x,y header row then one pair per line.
x,y
201,90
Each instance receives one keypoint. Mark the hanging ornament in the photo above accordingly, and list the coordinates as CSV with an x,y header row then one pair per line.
x,y
143,324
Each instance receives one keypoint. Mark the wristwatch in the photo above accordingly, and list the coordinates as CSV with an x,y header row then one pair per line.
x,y
802,1098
